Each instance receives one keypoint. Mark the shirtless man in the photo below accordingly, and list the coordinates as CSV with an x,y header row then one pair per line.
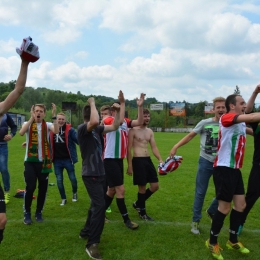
x,y
141,165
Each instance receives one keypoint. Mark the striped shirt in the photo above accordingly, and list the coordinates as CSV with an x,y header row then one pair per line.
x,y
115,142
231,142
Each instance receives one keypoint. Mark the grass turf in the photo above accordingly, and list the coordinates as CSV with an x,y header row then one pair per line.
x,y
168,237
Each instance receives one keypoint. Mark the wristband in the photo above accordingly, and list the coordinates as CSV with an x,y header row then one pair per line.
x,y
54,117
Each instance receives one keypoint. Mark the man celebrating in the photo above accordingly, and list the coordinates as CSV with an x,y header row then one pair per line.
x,y
37,162
227,176
114,153
93,173
208,131
141,165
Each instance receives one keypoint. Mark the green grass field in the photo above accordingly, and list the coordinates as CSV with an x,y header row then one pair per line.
x,y
168,237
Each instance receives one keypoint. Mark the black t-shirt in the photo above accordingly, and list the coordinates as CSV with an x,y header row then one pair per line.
x,y
60,148
91,150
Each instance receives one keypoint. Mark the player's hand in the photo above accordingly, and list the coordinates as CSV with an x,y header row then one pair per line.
x,y
140,101
257,89
116,107
32,111
53,109
8,137
91,101
24,144
121,97
173,152
129,170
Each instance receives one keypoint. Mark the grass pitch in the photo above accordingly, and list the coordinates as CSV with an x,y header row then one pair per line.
x,y
168,237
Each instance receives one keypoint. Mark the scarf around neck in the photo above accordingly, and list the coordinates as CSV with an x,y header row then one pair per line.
x,y
32,155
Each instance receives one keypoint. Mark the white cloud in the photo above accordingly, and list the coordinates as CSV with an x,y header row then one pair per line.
x,y
7,47
170,49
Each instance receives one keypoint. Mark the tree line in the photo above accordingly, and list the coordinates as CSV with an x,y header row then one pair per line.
x,y
194,111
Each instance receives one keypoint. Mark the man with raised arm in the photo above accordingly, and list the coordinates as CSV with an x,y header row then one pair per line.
x,y
93,172
141,165
114,153
227,176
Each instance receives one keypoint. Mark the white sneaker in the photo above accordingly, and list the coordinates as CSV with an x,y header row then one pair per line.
x,y
63,202
195,228
75,197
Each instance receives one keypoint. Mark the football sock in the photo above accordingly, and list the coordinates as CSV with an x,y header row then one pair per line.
x,y
216,226
1,235
141,203
122,208
148,194
108,201
235,220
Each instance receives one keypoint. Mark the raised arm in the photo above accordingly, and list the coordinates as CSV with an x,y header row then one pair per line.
x,y
251,101
18,90
121,99
54,127
94,117
182,142
140,118
26,125
116,122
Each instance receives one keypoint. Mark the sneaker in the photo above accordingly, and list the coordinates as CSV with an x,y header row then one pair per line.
x,y
75,197
136,208
63,202
146,217
210,215
38,217
237,246
195,228
240,230
93,252
7,197
108,210
27,218
131,224
215,250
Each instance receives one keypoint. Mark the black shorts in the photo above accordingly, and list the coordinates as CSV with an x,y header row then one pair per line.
x,y
228,182
114,169
2,201
143,171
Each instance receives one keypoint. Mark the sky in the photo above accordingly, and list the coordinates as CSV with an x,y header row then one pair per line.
x,y
168,49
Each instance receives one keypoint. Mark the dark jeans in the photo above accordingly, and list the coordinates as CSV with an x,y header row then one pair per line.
x,y
59,166
4,166
96,213
205,171
32,173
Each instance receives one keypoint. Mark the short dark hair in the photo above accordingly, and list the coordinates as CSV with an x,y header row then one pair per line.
x,y
86,112
231,99
105,107
41,106
146,111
